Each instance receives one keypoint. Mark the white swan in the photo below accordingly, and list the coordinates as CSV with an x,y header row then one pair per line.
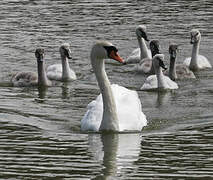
x,y
116,108
62,72
159,81
141,52
146,65
196,61
22,79
177,71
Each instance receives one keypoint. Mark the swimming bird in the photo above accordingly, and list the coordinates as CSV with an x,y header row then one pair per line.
x,y
196,61
117,108
23,79
62,72
177,71
141,52
159,81
146,65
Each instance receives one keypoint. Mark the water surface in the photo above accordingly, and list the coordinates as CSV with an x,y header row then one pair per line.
x,y
40,135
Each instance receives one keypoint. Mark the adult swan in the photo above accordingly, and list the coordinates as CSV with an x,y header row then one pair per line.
x,y
116,108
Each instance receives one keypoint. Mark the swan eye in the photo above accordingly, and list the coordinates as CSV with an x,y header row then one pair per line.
x,y
109,49
144,35
161,64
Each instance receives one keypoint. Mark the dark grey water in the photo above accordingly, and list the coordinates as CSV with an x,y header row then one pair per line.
x,y
40,135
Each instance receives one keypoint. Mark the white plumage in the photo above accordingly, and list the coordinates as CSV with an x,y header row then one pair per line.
x,y
128,107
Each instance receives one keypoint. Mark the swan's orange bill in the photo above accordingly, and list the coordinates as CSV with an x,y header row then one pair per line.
x,y
114,55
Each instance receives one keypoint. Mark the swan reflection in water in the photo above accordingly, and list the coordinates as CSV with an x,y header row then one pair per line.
x,y
117,152
65,92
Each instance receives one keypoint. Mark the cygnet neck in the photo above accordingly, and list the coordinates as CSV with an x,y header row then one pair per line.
x,y
42,76
143,47
160,78
194,58
65,68
172,68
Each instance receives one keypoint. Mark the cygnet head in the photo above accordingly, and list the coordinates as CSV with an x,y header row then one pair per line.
x,y
141,32
154,47
65,50
158,61
104,50
39,54
173,48
195,36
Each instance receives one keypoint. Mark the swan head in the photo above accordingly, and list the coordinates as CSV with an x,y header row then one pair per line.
x,y
65,50
158,61
195,36
173,48
39,54
154,47
141,32
105,50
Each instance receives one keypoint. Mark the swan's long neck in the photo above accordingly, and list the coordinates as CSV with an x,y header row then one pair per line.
x,y
172,69
160,78
110,119
152,69
143,48
195,51
42,76
65,68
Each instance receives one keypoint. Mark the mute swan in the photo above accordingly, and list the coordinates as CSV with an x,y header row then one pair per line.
x,y
146,65
116,108
141,52
159,81
196,61
179,71
62,72
22,79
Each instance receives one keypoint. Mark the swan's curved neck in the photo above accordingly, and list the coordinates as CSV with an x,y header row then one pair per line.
x,y
172,69
160,78
65,68
143,48
42,76
195,51
110,119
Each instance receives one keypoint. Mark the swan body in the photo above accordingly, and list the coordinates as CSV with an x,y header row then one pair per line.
x,y
126,101
62,72
159,81
116,108
25,79
146,65
135,56
196,61
141,52
177,71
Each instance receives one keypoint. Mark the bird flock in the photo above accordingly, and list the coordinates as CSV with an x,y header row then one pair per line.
x,y
118,109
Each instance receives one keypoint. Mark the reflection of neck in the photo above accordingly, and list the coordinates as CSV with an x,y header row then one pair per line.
x,y
42,92
42,76
172,69
195,51
110,119
65,68
143,48
110,148
160,77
